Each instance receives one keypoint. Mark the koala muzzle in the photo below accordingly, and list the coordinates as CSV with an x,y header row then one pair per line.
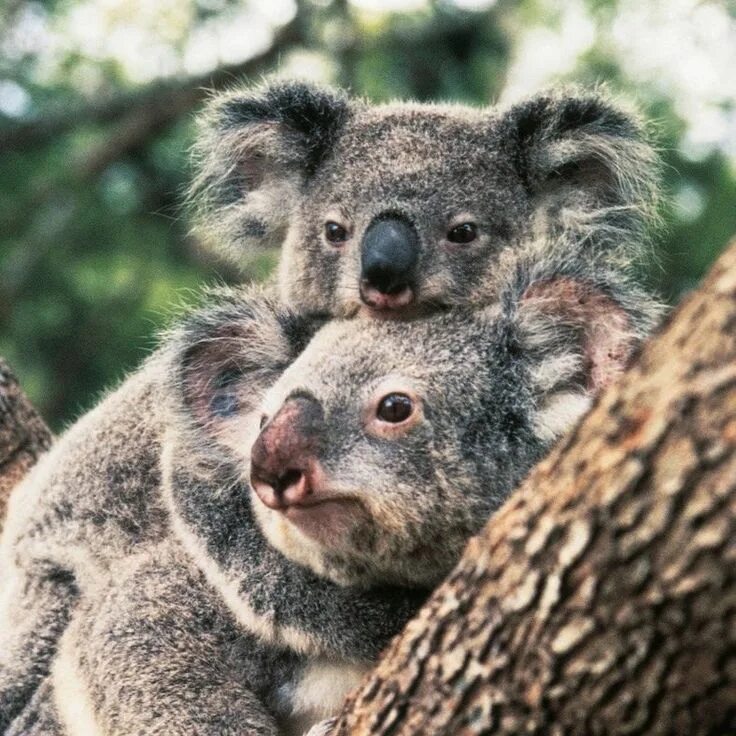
x,y
284,465
389,259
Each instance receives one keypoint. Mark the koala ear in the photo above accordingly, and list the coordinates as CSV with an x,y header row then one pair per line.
x,y
564,312
212,371
584,161
577,340
225,356
254,151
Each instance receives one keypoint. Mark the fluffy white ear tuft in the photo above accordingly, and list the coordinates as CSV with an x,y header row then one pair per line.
x,y
255,149
558,413
577,340
592,324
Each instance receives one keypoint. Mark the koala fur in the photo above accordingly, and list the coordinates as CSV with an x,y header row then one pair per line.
x,y
276,163
94,504
146,589
145,586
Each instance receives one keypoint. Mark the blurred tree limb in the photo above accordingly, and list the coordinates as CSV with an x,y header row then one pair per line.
x,y
145,112
136,119
23,435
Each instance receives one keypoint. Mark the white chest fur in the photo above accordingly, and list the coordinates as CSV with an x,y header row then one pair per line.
x,y
318,693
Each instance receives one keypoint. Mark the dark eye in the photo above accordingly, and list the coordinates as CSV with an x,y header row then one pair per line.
x,y
465,233
224,404
264,419
394,408
335,233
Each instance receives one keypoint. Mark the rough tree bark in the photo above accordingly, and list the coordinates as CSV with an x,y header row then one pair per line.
x,y
601,599
23,435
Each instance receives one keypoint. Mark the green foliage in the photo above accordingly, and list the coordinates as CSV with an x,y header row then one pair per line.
x,y
443,55
94,247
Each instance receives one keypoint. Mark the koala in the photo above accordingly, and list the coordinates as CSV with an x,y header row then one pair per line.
x,y
150,582
226,543
399,209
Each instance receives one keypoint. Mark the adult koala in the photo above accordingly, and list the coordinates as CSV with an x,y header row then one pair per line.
x,y
402,208
224,590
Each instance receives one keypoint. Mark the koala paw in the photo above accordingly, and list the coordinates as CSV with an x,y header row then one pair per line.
x,y
322,728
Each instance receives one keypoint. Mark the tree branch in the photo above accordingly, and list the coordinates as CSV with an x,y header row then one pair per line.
x,y
601,599
156,106
23,435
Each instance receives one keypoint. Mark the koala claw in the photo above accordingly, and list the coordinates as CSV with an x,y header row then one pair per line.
x,y
322,728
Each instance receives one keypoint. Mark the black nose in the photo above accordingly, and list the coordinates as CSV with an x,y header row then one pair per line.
x,y
390,255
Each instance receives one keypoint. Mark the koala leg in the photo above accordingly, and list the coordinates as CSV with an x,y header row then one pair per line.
x,y
34,610
149,652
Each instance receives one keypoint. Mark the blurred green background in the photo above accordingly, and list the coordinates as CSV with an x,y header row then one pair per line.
x,y
97,100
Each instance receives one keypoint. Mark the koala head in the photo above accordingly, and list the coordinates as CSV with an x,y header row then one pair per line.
x,y
394,210
386,444
221,360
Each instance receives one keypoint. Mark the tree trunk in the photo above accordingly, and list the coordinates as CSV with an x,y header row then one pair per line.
x,y
23,435
601,599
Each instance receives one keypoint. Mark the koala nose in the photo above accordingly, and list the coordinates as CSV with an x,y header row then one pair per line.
x,y
388,262
284,456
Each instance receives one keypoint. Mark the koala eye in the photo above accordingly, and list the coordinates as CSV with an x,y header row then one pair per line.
x,y
224,404
264,419
335,232
394,408
467,232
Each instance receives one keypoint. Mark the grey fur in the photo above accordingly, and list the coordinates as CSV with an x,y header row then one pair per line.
x,y
276,162
136,565
93,507
39,717
175,614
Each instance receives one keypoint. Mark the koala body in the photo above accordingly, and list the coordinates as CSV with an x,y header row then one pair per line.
x,y
149,587
93,515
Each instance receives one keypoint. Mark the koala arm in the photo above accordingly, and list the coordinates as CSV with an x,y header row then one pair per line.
x,y
85,502
34,610
38,717
149,652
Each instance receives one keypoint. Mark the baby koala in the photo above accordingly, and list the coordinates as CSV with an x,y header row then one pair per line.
x,y
243,583
398,209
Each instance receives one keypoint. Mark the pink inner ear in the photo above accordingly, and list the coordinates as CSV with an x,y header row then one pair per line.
x,y
607,334
251,171
207,361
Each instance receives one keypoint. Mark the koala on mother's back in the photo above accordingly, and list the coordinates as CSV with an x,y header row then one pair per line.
x,y
396,209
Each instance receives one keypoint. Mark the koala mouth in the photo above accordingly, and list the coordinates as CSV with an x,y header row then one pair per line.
x,y
326,521
413,311
303,499
380,301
